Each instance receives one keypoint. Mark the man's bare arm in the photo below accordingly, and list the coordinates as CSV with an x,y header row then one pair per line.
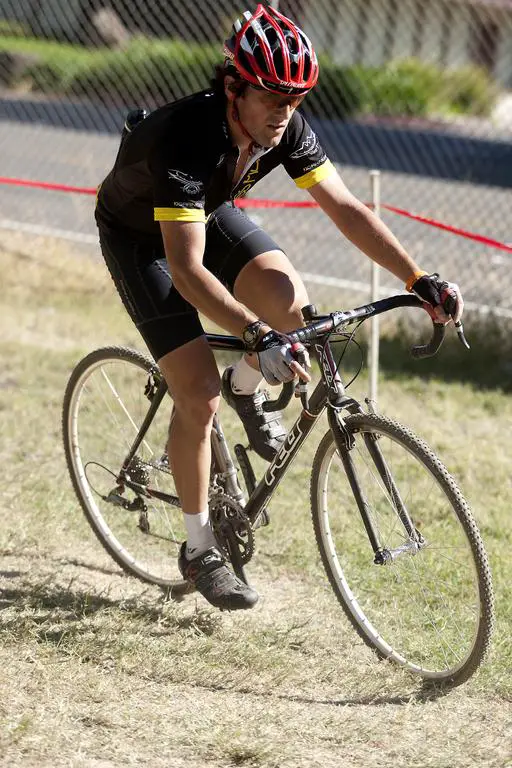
x,y
360,225
184,244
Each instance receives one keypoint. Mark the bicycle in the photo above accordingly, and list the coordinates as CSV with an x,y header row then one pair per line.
x,y
397,540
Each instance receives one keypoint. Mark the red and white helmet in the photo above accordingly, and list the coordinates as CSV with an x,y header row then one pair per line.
x,y
271,52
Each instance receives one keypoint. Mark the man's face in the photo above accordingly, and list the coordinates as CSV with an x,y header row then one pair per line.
x,y
265,115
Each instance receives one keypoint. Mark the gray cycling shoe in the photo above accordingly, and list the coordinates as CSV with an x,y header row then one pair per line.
x,y
264,430
210,575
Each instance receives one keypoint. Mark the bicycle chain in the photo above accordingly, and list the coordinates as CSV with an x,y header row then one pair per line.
x,y
226,513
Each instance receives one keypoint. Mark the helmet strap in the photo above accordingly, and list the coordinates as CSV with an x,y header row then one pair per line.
x,y
236,118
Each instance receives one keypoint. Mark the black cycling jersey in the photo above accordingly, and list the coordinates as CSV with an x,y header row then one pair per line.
x,y
178,165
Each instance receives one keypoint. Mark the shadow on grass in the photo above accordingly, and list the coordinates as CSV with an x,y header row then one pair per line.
x,y
88,566
424,693
36,555
51,612
47,600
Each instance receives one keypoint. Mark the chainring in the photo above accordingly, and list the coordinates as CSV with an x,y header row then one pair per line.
x,y
227,516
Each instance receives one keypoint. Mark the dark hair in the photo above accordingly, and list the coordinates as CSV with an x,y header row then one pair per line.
x,y
217,82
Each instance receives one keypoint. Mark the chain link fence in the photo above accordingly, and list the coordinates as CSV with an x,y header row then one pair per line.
x,y
419,89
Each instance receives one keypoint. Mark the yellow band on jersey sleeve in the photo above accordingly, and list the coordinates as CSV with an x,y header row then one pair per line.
x,y
180,214
317,174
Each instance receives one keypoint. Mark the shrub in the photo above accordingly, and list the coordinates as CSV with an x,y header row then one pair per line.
x,y
47,63
12,28
48,73
340,90
145,70
404,87
469,90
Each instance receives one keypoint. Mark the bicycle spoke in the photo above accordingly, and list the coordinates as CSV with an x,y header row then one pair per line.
x,y
135,426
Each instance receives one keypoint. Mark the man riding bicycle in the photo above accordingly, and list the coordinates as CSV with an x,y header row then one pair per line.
x,y
176,245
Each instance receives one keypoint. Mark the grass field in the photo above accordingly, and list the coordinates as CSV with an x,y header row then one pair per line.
x,y
98,670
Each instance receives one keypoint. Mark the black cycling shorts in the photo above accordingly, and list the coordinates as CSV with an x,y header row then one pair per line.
x,y
141,274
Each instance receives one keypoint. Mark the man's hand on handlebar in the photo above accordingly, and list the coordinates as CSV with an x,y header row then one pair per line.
x,y
443,301
280,360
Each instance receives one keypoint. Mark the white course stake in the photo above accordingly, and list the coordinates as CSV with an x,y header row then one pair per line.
x,y
373,345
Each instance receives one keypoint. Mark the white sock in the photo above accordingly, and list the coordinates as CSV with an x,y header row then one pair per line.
x,y
244,379
199,534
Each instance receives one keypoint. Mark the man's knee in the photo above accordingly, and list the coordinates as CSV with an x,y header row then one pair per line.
x,y
273,289
197,408
288,316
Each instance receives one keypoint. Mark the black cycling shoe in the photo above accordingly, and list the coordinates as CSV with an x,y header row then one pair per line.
x,y
265,432
210,575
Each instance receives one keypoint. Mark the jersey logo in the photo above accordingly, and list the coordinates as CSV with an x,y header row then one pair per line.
x,y
307,147
190,185
249,179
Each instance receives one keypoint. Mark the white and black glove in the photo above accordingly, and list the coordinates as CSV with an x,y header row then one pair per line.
x,y
443,301
276,358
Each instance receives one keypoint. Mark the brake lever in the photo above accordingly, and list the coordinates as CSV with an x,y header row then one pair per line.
x,y
450,307
460,333
301,387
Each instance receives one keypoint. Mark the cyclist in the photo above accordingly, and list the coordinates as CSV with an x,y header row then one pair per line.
x,y
176,245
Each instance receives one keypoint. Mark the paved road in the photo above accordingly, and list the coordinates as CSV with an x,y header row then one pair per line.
x,y
82,158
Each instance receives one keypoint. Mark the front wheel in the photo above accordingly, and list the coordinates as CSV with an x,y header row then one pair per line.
x,y
428,605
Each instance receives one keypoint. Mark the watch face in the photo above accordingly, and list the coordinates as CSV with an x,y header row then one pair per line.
x,y
250,334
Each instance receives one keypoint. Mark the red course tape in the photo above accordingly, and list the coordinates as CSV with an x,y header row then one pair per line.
x,y
47,185
448,228
259,203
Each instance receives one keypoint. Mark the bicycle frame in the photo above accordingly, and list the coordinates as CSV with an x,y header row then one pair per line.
x,y
329,392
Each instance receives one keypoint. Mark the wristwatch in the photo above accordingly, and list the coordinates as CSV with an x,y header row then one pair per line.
x,y
251,333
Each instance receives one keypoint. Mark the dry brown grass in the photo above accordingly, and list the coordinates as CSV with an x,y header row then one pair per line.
x,y
99,671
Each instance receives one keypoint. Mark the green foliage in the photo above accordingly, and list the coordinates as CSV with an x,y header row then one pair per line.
x,y
12,28
401,88
162,69
172,69
169,69
341,90
404,87
47,63
469,90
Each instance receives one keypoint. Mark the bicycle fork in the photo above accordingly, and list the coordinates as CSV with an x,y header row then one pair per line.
x,y
346,443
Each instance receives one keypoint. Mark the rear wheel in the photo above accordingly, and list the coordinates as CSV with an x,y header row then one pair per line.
x,y
429,608
106,400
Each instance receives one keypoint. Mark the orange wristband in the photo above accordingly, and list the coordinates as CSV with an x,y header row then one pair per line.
x,y
415,276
